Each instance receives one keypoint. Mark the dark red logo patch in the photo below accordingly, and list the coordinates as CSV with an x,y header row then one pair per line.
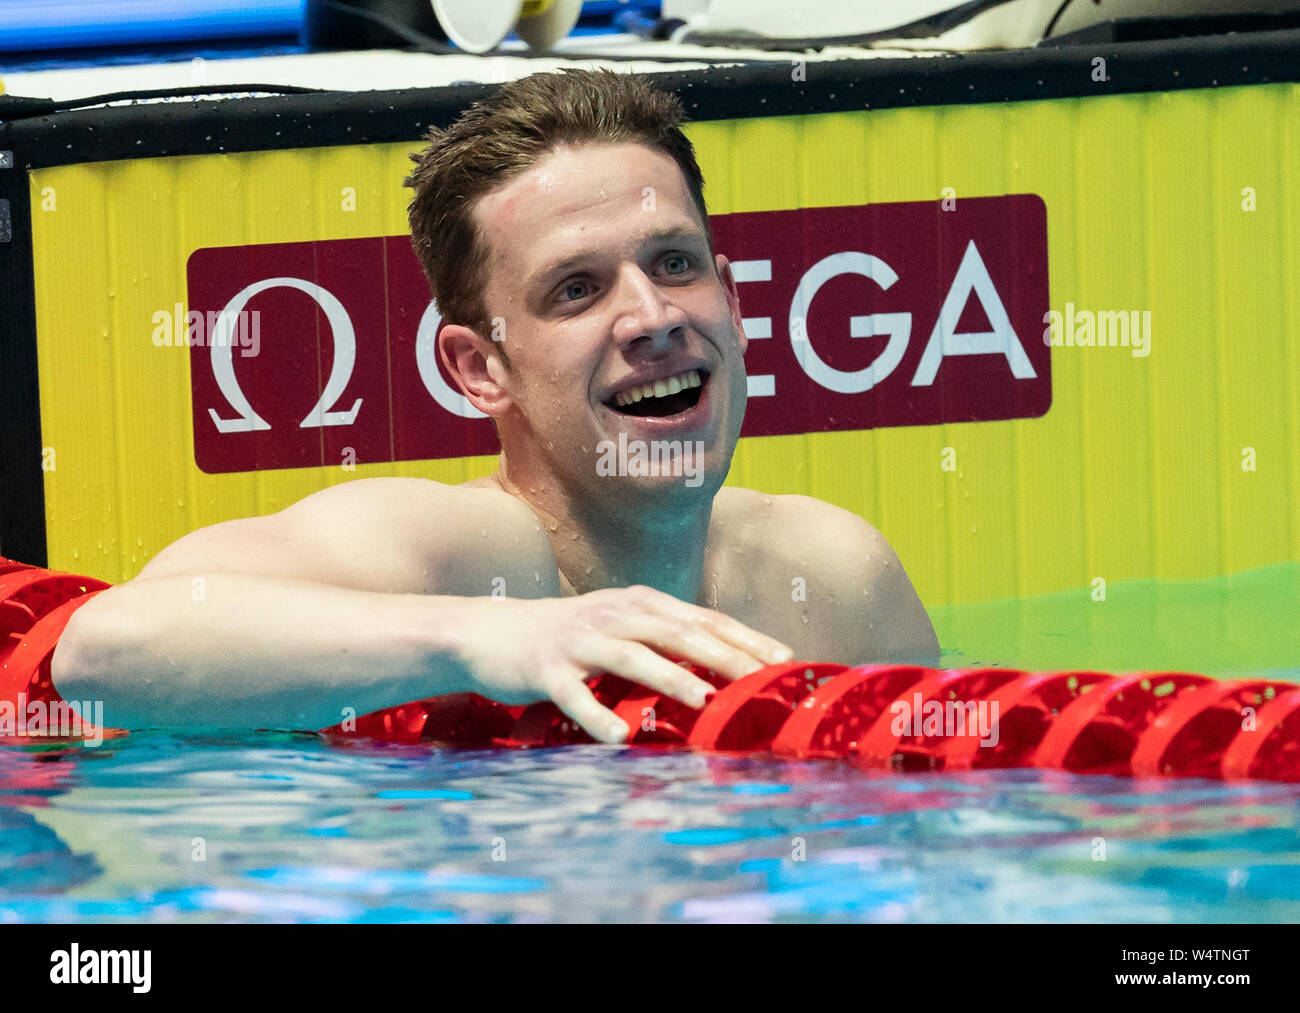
x,y
907,314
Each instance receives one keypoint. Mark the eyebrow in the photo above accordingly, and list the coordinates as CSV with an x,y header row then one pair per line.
x,y
676,233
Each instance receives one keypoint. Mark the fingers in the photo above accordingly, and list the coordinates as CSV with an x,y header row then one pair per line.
x,y
611,647
628,632
728,642
736,634
567,690
639,664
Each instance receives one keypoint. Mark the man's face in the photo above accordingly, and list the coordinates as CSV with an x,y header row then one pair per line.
x,y
601,284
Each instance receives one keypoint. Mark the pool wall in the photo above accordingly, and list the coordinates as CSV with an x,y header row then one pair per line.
x,y
1147,192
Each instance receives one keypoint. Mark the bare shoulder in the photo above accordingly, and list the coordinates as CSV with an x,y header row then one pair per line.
x,y
806,526
834,545
464,539
405,501
395,535
838,578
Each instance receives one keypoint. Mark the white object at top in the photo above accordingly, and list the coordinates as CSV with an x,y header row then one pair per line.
x,y
478,26
549,25
1009,25
786,19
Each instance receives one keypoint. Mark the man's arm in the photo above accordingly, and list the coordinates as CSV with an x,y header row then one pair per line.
x,y
356,599
254,652
274,621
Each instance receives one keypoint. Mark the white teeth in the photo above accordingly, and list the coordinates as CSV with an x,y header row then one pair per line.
x,y
660,388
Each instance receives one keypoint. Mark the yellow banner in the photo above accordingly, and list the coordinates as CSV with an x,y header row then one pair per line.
x,y
1180,463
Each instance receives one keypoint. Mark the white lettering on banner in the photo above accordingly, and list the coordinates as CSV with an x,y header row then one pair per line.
x,y
426,361
972,276
756,328
897,325
345,355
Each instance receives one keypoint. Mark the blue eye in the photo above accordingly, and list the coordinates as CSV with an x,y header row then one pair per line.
x,y
677,258
574,291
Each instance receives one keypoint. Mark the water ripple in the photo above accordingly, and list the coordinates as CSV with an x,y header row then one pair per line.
x,y
220,827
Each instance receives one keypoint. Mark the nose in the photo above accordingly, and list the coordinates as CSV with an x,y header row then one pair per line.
x,y
646,312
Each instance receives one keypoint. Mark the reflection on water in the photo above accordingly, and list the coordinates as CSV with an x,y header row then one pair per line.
x,y
287,828
277,827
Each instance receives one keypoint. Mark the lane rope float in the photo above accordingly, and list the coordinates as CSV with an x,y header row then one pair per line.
x,y
887,717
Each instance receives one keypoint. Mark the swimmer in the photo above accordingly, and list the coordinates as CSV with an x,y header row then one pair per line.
x,y
563,228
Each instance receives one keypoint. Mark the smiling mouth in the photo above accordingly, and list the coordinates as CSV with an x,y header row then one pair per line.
x,y
663,398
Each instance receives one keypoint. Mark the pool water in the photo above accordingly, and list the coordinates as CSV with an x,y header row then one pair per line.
x,y
209,826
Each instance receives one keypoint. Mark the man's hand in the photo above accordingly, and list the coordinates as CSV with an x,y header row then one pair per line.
x,y
525,650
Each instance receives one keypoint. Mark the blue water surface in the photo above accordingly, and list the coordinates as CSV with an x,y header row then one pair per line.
x,y
162,827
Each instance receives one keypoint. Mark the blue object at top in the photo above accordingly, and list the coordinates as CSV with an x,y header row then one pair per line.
x,y
29,25
67,24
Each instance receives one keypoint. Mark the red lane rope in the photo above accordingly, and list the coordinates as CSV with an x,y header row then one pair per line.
x,y
35,606
1026,708
832,721
901,717
1275,749
1098,732
747,714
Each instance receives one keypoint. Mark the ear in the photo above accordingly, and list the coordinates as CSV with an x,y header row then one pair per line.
x,y
733,298
475,366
